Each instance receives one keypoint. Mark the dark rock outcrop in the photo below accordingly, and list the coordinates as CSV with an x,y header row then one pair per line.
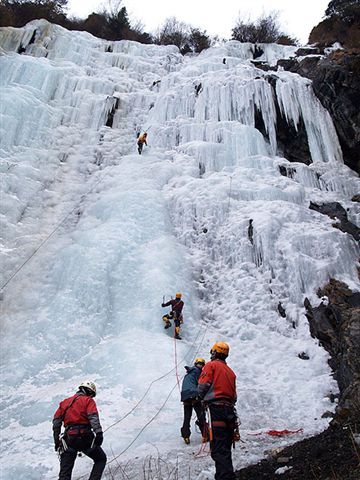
x,y
336,83
335,29
330,455
292,142
334,453
336,323
309,50
281,310
337,212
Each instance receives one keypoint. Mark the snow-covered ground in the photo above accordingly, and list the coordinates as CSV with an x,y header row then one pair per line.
x,y
203,211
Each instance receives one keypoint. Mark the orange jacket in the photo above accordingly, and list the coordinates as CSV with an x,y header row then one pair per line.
x,y
217,382
142,138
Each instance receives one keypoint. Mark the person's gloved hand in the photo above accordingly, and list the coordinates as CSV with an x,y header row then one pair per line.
x,y
99,439
236,436
163,305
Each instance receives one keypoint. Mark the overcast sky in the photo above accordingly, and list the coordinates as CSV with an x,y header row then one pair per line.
x,y
297,17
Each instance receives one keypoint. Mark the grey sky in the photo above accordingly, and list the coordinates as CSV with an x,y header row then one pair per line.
x,y
297,17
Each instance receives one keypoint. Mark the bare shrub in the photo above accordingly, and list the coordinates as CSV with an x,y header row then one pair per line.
x,y
265,29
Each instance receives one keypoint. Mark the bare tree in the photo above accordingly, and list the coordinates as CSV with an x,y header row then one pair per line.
x,y
173,32
199,40
265,29
184,36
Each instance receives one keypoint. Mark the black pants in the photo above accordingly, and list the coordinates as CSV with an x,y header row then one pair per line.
x,y
140,147
189,405
223,421
81,444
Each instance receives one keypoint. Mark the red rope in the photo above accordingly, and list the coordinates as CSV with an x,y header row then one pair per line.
x,y
278,433
202,451
207,434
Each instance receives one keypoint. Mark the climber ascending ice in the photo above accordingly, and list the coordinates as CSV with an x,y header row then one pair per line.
x,y
141,140
176,314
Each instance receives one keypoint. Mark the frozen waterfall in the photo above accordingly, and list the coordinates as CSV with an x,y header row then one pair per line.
x,y
94,235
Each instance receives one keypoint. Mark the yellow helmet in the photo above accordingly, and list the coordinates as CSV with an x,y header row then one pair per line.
x,y
221,347
199,360
178,295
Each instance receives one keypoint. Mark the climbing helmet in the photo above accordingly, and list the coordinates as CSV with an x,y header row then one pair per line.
x,y
89,387
199,360
221,348
178,295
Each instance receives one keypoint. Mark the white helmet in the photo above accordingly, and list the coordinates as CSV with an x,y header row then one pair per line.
x,y
88,387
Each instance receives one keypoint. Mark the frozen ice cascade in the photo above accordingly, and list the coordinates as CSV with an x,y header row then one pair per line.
x,y
94,235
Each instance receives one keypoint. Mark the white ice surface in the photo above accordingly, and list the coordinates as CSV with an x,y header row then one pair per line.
x,y
120,231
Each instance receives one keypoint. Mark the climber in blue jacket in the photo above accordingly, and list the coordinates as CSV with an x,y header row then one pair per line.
x,y
189,397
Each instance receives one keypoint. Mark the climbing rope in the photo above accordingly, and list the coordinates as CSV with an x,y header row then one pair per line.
x,y
144,427
229,194
158,379
176,363
102,177
202,451
163,405
158,411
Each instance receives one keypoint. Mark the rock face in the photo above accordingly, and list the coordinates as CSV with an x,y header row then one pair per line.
x,y
337,212
292,142
328,456
334,453
336,82
336,323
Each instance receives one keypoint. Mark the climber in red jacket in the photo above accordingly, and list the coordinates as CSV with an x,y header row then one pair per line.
x,y
81,421
217,389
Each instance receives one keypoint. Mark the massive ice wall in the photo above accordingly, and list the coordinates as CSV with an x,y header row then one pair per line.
x,y
62,89
200,93
211,206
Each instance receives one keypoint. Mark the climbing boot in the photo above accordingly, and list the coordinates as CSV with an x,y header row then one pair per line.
x,y
167,324
177,333
187,440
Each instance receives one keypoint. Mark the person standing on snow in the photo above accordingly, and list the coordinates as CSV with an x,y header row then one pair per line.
x,y
189,397
140,142
217,388
176,313
81,420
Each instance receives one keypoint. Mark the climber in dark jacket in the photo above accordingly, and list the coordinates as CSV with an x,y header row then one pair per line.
x,y
189,397
83,432
176,313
